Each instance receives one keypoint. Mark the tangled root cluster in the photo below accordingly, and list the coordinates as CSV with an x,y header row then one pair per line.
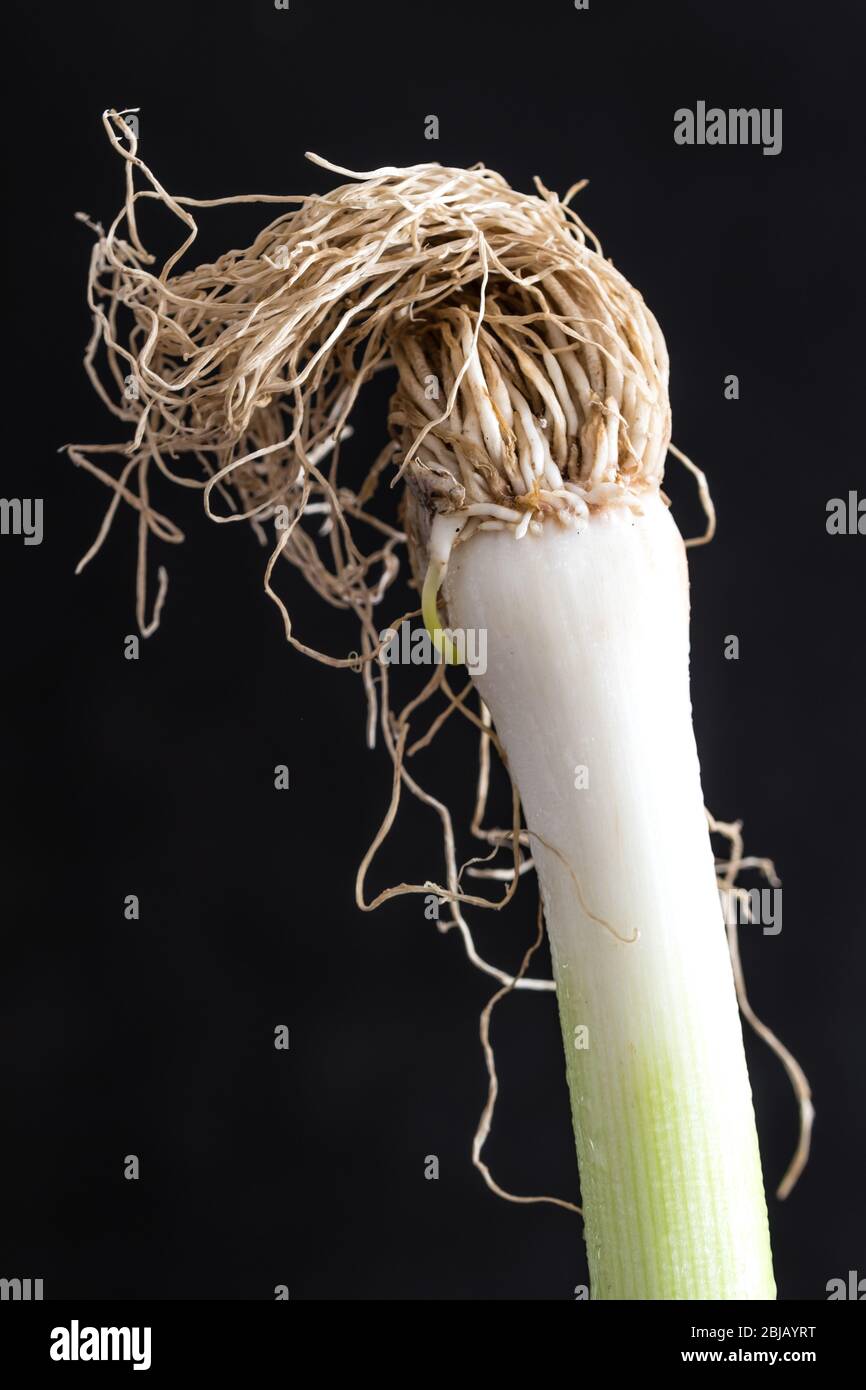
x,y
532,389
532,379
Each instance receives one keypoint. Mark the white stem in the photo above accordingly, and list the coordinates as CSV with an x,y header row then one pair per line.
x,y
587,667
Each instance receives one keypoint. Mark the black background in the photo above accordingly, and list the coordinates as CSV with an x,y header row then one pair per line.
x,y
155,777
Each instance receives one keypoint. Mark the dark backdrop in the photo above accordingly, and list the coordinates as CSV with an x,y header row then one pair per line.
x,y
156,777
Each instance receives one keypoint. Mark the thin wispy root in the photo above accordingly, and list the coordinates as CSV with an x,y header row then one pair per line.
x,y
484,1124
727,871
531,391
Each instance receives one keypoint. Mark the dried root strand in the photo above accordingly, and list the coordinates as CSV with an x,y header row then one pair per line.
x,y
485,1123
727,872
